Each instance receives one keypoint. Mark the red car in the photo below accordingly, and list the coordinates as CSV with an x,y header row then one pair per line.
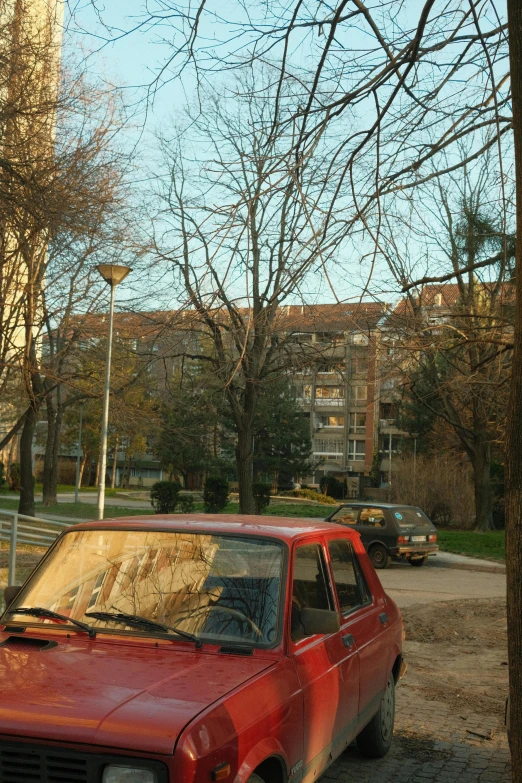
x,y
189,650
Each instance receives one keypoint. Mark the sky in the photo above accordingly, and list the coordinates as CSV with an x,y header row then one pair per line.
x,y
133,60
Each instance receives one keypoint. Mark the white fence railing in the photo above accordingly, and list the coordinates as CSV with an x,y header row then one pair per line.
x,y
21,529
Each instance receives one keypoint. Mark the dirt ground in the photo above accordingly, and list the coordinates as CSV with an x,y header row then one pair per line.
x,y
457,657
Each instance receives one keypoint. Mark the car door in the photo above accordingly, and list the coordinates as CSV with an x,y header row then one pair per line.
x,y
364,621
327,668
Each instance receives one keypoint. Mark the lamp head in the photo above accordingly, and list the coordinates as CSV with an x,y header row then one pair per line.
x,y
113,274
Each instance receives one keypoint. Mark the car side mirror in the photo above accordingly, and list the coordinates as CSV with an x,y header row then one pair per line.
x,y
10,594
319,621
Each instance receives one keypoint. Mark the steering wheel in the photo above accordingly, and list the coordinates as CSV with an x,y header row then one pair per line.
x,y
223,608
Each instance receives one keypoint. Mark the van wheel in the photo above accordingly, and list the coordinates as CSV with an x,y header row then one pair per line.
x,y
375,739
379,556
255,779
417,561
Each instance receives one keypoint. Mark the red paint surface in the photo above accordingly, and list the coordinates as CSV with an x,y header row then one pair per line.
x,y
195,709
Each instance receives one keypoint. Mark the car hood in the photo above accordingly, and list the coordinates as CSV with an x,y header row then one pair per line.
x,y
126,696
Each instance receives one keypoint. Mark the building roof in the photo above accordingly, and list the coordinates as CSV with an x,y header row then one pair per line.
x,y
360,316
449,295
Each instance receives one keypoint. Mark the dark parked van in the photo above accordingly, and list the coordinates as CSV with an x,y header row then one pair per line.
x,y
389,530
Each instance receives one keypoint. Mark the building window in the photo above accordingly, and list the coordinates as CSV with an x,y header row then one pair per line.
x,y
334,421
359,365
359,338
329,392
329,421
361,393
328,446
330,368
333,338
395,443
388,410
358,423
356,449
300,337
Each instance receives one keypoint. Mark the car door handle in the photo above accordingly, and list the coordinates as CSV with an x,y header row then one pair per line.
x,y
348,640
383,618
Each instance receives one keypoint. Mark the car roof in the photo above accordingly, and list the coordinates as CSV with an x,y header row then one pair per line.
x,y
286,528
375,504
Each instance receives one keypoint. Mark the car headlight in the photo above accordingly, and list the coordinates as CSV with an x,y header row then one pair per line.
x,y
116,774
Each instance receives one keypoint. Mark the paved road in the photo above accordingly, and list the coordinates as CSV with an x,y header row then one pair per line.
x,y
433,743
92,499
446,580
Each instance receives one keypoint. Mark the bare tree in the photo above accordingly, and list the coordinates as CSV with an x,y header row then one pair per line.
x,y
60,178
243,231
453,340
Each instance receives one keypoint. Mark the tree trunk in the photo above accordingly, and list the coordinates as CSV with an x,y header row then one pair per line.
x,y
26,504
52,450
244,460
53,488
514,425
97,477
47,498
115,461
482,485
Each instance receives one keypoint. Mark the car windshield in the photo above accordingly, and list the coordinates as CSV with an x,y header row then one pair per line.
x,y
409,516
219,588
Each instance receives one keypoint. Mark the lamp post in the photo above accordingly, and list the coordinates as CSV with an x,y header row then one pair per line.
x,y
391,423
78,455
113,275
414,435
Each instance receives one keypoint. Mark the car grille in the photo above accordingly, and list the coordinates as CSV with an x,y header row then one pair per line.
x,y
22,762
27,764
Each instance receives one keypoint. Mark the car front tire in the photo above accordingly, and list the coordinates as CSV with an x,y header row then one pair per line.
x,y
375,739
379,556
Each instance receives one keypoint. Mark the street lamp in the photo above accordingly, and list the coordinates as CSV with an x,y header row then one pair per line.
x,y
78,456
113,275
391,423
414,435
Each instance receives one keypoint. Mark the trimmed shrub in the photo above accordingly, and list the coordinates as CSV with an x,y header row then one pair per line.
x,y
164,496
261,494
185,504
311,494
331,486
215,494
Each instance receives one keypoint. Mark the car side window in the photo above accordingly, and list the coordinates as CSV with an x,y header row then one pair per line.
x,y
346,515
372,517
310,588
350,583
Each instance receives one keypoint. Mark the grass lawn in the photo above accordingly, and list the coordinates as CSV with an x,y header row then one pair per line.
x,y
70,488
469,542
77,510
88,510
277,509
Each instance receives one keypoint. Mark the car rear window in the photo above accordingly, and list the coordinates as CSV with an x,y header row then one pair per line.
x,y
410,517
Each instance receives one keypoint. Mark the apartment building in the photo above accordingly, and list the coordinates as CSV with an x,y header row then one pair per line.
x,y
336,378
345,362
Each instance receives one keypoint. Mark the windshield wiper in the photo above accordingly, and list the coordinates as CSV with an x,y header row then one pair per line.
x,y
135,619
39,611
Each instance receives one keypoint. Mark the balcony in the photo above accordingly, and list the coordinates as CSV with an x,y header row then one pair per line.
x,y
321,402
